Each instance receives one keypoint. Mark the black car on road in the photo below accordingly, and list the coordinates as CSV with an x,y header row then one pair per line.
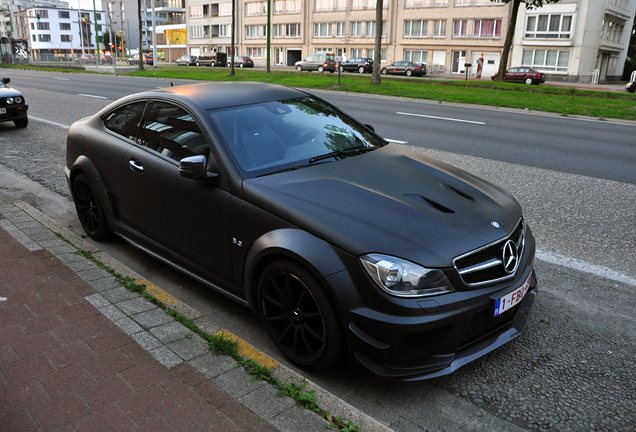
x,y
242,62
13,107
404,68
345,245
357,64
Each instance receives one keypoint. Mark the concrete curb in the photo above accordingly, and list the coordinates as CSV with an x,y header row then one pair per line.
x,y
326,400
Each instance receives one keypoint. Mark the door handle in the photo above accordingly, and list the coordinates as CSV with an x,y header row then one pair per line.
x,y
136,166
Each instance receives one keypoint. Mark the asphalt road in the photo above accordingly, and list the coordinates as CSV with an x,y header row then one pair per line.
x,y
573,367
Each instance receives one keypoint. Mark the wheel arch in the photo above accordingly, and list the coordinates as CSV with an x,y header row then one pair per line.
x,y
83,165
318,257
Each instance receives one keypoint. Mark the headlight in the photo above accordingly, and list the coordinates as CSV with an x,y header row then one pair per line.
x,y
18,100
403,278
9,101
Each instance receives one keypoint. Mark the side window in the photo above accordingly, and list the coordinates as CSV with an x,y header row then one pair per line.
x,y
125,120
173,132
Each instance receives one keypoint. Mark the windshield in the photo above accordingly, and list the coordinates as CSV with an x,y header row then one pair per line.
x,y
273,136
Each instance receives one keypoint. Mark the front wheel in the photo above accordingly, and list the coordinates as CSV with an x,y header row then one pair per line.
x,y
21,123
299,68
198,64
299,316
528,81
89,208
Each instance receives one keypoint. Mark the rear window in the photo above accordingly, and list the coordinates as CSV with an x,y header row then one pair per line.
x,y
330,56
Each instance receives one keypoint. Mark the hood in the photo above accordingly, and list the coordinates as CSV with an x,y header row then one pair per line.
x,y
390,201
9,92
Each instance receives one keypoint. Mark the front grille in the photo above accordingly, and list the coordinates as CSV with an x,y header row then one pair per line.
x,y
486,265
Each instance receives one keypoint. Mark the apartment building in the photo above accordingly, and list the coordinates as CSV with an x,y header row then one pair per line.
x,y
209,26
572,39
170,20
61,31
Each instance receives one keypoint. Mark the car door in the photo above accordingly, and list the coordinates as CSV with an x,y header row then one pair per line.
x,y
511,74
189,217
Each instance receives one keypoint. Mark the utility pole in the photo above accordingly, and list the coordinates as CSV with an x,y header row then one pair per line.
x,y
155,60
98,57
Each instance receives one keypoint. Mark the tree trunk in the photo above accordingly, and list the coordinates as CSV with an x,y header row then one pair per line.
x,y
377,52
141,54
231,56
503,63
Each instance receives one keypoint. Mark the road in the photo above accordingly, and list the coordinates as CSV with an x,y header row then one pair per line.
x,y
573,367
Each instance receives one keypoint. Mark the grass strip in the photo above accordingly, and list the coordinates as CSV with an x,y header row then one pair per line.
x,y
221,344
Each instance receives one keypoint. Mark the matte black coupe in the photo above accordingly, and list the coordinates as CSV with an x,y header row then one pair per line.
x,y
347,246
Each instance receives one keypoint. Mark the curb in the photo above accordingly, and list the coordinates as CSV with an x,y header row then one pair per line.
x,y
325,400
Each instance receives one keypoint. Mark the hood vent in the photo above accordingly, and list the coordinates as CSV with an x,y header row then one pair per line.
x,y
437,206
458,192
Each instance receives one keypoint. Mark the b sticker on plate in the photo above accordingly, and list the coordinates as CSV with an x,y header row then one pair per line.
x,y
513,298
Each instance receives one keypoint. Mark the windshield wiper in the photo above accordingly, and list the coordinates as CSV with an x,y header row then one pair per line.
x,y
341,153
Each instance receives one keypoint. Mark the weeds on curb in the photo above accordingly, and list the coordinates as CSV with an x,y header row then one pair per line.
x,y
221,344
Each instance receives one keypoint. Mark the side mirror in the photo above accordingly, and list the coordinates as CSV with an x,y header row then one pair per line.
x,y
194,167
6,80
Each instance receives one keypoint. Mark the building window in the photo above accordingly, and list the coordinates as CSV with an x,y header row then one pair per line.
x,y
252,32
277,31
65,26
425,3
225,9
363,4
255,8
323,5
292,30
462,2
487,28
371,27
196,11
416,56
279,7
292,6
254,52
340,29
42,12
64,15
460,28
439,28
546,60
341,4
356,52
65,38
43,26
355,29
371,54
197,32
322,29
416,28
224,30
548,26
44,38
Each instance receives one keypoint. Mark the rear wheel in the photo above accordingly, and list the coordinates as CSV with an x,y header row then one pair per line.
x,y
321,69
198,64
341,68
361,69
528,81
409,72
384,71
89,208
299,316
21,123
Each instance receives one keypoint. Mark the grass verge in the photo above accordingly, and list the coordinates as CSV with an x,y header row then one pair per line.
x,y
222,344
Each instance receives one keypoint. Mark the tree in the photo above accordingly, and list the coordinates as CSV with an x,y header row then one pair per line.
x,y
140,52
530,4
630,61
377,52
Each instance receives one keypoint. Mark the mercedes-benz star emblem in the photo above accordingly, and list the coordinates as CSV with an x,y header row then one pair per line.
x,y
509,257
495,224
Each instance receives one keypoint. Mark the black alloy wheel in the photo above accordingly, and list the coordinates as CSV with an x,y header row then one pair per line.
x,y
89,208
298,316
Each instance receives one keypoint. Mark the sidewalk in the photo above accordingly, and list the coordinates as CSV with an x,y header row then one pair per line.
x,y
80,352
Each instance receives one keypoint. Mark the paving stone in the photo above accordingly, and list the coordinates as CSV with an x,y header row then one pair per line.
x,y
170,332
152,318
146,340
297,419
119,294
212,365
265,402
166,357
237,382
136,305
189,348
129,326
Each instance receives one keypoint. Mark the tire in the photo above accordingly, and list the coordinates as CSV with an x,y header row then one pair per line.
x,y
21,123
299,316
299,68
341,68
241,65
528,81
187,64
89,208
198,64
321,69
361,69
384,71
409,72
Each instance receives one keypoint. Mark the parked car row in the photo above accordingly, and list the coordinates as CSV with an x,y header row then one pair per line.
x,y
212,59
147,59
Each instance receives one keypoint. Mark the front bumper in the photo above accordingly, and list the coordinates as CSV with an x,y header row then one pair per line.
x,y
416,339
15,112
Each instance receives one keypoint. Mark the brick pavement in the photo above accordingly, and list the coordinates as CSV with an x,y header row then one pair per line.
x,y
80,353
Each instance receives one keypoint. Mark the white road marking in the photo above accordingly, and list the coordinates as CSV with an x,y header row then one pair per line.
x,y
395,141
62,79
441,118
49,122
584,267
93,96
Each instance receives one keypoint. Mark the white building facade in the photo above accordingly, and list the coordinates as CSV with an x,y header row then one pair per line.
x,y
575,40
